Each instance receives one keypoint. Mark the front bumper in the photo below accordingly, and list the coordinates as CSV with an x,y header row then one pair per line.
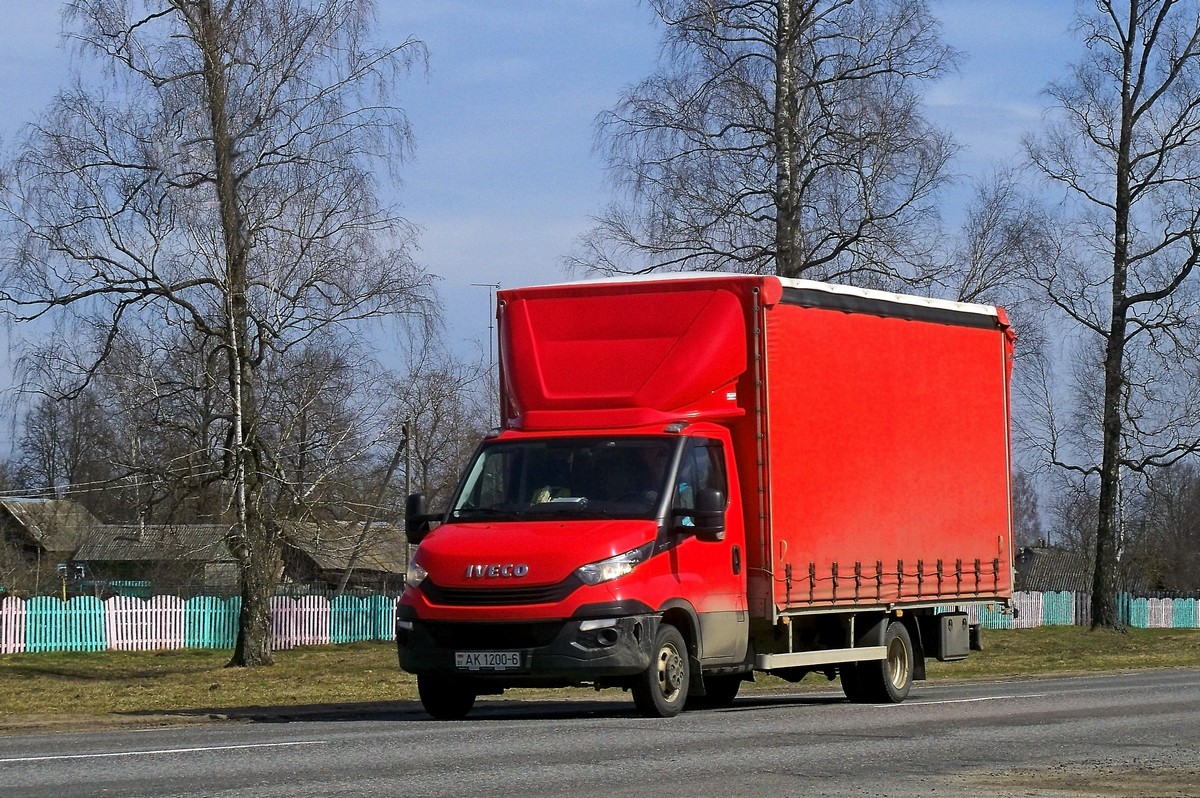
x,y
551,652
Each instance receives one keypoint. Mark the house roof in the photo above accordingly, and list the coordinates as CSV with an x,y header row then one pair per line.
x,y
56,525
1044,569
157,542
331,545
62,525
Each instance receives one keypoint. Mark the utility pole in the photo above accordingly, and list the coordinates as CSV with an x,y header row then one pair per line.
x,y
408,429
493,377
364,538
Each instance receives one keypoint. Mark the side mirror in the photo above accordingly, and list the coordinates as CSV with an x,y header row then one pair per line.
x,y
417,519
709,515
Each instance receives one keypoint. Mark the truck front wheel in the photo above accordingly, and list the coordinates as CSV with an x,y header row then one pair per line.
x,y
661,690
886,681
445,697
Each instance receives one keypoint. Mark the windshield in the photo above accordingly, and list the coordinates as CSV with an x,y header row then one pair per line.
x,y
574,478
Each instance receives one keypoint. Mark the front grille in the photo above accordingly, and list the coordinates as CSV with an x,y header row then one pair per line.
x,y
485,636
495,596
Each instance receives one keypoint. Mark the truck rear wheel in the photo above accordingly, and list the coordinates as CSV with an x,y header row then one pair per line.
x,y
661,690
445,697
887,681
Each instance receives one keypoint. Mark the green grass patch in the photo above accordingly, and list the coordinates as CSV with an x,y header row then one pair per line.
x,y
1072,649
116,682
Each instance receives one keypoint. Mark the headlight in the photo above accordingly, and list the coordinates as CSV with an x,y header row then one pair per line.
x,y
415,576
614,567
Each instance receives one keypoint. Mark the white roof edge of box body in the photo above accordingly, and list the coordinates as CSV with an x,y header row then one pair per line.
x,y
789,282
888,296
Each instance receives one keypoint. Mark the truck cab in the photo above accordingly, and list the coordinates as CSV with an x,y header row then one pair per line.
x,y
560,557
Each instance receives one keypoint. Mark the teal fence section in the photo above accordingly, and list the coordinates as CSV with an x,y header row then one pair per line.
x,y
1185,614
382,611
355,618
1058,609
103,588
211,622
1134,611
137,588
1125,609
995,617
76,625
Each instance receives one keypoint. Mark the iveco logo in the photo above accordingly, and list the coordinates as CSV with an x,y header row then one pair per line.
x,y
498,571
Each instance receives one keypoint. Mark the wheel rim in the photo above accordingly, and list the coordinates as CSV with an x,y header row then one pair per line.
x,y
670,672
898,664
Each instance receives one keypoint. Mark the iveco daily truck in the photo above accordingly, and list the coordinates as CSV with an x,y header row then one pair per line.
x,y
701,477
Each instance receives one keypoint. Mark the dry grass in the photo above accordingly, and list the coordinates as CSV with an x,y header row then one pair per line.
x,y
111,683
118,681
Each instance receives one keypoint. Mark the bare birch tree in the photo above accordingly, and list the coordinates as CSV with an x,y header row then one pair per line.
x,y
448,406
212,181
58,445
1172,527
1123,144
777,136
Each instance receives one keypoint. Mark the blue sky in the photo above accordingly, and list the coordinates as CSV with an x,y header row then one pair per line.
x,y
505,176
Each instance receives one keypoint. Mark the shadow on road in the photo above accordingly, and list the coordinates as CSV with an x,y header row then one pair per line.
x,y
486,708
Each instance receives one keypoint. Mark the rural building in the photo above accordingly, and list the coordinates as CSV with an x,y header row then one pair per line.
x,y
38,535
376,555
1044,569
53,544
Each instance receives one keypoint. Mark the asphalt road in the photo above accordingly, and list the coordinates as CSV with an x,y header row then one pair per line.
x,y
1114,735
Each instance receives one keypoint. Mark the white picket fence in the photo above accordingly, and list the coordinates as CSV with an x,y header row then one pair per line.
x,y
153,624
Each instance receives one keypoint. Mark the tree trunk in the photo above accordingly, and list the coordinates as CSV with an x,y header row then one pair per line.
x,y
787,251
1104,578
259,566
257,552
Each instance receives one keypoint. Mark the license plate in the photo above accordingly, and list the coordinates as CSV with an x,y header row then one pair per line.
x,y
487,660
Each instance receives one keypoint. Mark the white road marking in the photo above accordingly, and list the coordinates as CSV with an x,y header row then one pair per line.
x,y
158,751
966,700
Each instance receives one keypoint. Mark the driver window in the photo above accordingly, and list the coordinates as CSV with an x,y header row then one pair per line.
x,y
702,466
488,480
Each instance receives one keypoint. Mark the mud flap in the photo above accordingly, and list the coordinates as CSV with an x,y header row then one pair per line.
x,y
695,677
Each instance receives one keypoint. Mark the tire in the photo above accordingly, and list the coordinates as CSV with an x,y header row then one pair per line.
x,y
719,691
888,681
661,690
444,697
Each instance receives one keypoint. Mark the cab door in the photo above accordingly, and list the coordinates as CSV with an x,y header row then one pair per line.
x,y
716,570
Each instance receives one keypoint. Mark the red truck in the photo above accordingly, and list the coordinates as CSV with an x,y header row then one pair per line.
x,y
700,477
